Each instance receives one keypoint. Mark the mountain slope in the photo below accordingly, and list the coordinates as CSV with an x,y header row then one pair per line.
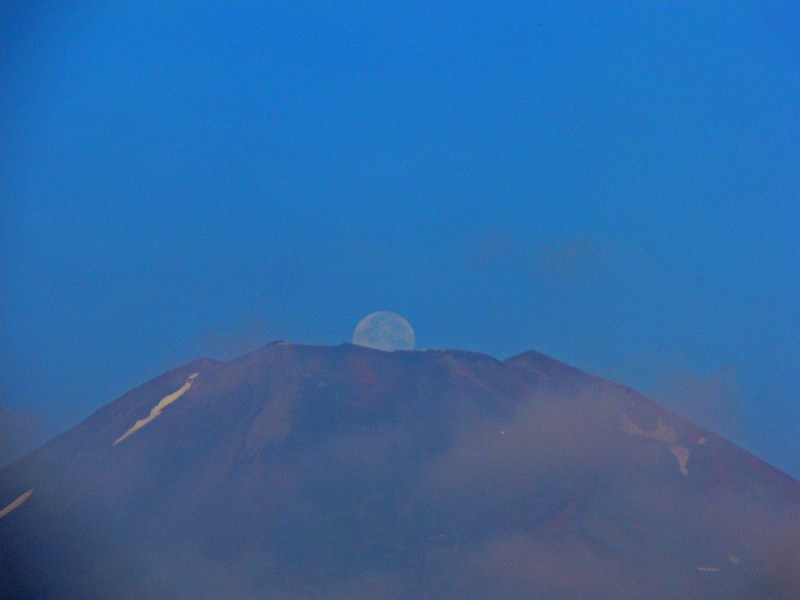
x,y
345,472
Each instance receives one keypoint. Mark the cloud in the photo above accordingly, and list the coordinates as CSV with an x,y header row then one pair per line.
x,y
577,258
510,565
249,333
711,399
567,436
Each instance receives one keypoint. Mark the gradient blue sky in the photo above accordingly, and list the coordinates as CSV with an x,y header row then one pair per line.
x,y
614,184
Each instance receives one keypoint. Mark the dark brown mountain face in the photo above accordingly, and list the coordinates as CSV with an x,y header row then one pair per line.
x,y
344,472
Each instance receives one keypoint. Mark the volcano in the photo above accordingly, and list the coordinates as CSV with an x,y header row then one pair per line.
x,y
346,472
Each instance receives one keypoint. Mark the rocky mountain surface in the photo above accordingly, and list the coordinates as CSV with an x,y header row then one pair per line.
x,y
344,472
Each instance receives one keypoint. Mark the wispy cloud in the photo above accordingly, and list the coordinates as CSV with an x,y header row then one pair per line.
x,y
250,333
576,258
711,399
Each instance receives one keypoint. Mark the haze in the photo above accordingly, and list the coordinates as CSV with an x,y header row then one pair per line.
x,y
615,185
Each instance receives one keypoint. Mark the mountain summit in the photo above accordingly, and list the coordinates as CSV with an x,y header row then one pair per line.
x,y
346,472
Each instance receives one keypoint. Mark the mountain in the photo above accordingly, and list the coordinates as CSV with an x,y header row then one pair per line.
x,y
345,472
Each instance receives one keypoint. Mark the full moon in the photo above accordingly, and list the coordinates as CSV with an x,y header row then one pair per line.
x,y
384,330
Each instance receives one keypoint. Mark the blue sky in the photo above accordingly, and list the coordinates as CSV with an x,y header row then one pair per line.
x,y
613,184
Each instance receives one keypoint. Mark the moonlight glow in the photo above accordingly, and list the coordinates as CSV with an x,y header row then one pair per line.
x,y
384,330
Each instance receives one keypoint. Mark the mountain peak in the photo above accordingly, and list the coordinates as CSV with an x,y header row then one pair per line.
x,y
343,471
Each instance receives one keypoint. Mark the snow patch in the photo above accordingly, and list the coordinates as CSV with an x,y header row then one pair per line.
x,y
681,453
156,410
15,504
664,434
